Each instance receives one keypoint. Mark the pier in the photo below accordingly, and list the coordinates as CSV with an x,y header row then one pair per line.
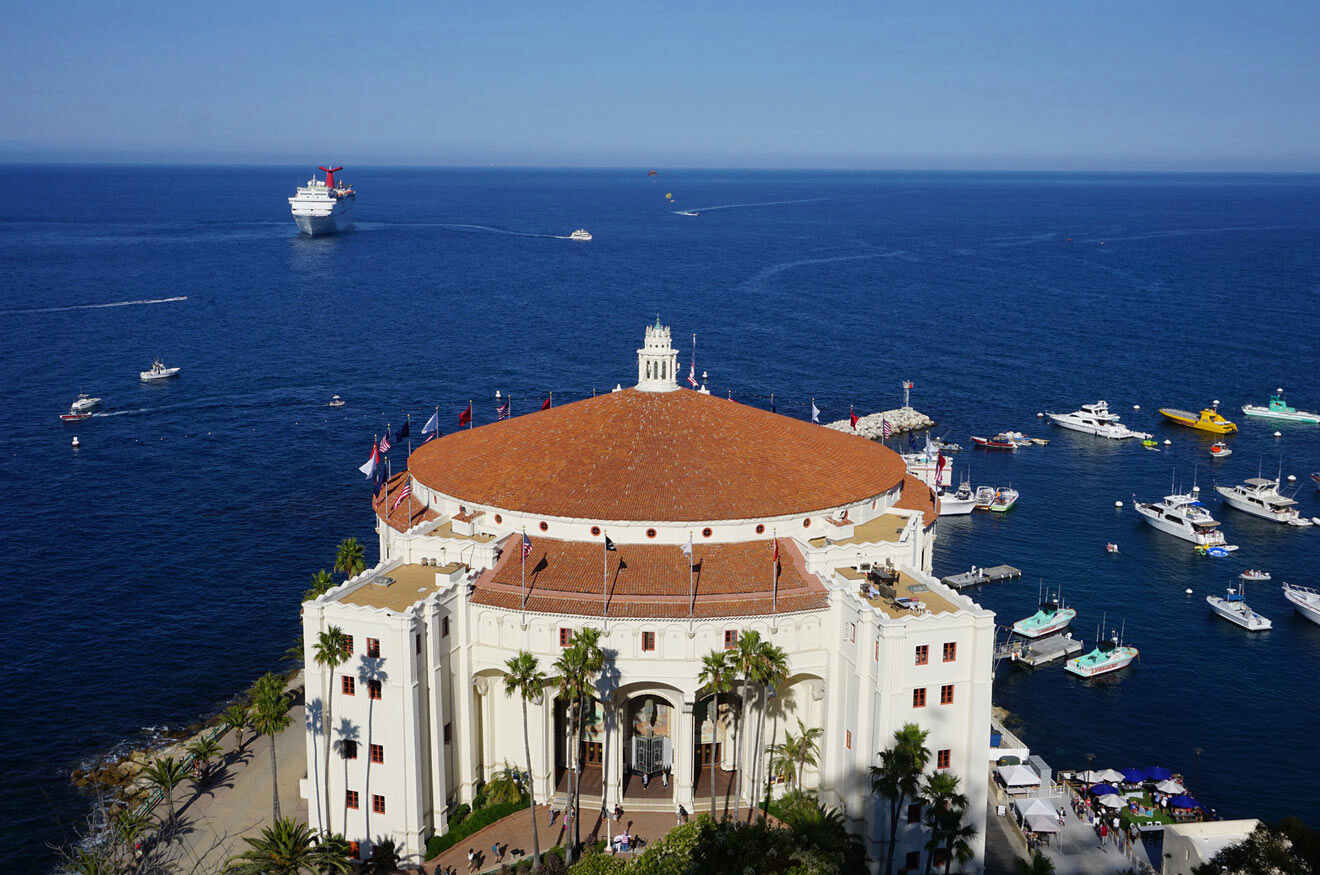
x,y
978,576
1039,652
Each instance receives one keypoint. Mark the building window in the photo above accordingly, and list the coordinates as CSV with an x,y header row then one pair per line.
x,y
806,523
350,685
648,641
355,849
946,694
444,627
595,531
942,759
373,648
847,739
449,733
950,651
348,645
705,533
378,754
919,697
650,533
498,519
351,799
730,639
377,803
565,636
923,654
545,527
373,689
760,529
912,862
349,748
914,812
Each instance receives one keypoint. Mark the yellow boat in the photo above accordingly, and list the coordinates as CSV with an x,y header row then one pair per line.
x,y
1208,420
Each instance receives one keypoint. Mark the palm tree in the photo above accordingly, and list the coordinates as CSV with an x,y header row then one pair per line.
x,y
237,719
572,668
587,640
744,660
783,760
945,810
768,670
1039,865
807,750
288,848
331,651
204,748
271,717
350,558
321,583
384,859
525,679
897,777
717,676
130,825
166,773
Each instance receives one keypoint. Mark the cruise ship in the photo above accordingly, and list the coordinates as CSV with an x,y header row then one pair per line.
x,y
1095,419
323,207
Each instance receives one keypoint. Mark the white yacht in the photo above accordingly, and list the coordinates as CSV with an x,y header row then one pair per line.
x,y
1304,599
957,503
927,467
1234,608
84,404
322,207
1097,420
580,234
1183,516
1260,497
335,401
158,371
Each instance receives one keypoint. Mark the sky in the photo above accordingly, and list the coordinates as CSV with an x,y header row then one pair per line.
x,y
1123,85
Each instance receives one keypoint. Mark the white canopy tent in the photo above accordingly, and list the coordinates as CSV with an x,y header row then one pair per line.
x,y
1018,776
1090,777
1111,801
1109,775
1171,787
1043,823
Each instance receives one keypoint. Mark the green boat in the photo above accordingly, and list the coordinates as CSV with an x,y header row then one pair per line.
x,y
1279,409
1051,617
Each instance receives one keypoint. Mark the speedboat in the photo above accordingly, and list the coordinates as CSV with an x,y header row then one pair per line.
x,y
84,404
957,503
1207,420
1107,656
985,496
1279,409
1260,497
687,212
1183,516
1304,599
1000,441
158,372
1005,498
1051,617
1094,419
335,401
74,416
1220,450
1151,444
1254,574
1233,607
580,234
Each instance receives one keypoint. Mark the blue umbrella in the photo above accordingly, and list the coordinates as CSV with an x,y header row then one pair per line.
x,y
1134,776
1183,802
1103,790
1158,773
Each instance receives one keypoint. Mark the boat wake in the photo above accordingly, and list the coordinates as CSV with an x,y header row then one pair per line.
x,y
138,303
490,230
775,269
807,200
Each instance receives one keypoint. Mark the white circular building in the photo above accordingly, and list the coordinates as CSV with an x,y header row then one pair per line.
x,y
722,518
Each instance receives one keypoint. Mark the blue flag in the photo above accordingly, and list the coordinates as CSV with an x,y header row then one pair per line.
x,y
432,424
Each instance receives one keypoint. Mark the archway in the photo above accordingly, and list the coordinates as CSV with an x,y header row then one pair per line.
x,y
589,757
714,740
649,733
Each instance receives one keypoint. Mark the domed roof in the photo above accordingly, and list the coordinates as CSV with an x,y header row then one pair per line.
x,y
675,456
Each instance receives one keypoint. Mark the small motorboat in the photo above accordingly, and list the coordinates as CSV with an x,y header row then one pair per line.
x,y
1151,444
76,443
1279,409
1254,574
1052,616
957,503
1111,655
84,404
1111,548
158,371
335,401
1220,450
1000,441
75,416
688,213
1233,607
1005,498
580,234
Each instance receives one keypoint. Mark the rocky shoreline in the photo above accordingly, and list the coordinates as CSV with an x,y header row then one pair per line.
x,y
900,419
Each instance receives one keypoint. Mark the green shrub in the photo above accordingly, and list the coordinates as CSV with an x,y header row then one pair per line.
x,y
475,822
459,814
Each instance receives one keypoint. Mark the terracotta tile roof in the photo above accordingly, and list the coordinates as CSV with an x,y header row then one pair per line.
x,y
383,500
656,456
647,580
918,496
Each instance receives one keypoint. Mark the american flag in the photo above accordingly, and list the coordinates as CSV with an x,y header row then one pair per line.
x,y
885,429
385,442
403,493
692,375
527,546
502,412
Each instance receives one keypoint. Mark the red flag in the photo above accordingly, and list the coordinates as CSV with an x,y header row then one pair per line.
x,y
852,418
776,556
939,467
545,405
465,417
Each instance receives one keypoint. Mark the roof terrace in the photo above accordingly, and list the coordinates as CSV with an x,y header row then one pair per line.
x,y
401,587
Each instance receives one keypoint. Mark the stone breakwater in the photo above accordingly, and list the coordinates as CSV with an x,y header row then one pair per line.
x,y
899,419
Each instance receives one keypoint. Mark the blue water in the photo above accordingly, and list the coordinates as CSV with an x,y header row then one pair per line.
x,y
157,570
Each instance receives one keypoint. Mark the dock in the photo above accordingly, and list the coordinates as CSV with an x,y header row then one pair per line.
x,y
1039,652
978,576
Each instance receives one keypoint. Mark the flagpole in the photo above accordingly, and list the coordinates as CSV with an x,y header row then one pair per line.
x,y
375,451
522,551
692,587
774,575
470,420
605,580
407,464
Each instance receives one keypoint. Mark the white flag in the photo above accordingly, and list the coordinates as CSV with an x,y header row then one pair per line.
x,y
369,467
432,424
815,411
687,548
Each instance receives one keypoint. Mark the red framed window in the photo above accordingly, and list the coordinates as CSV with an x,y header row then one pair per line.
x,y
349,747
377,803
946,694
847,739
922,654
355,849
950,651
348,645
565,636
350,685
444,627
373,648
378,754
351,799
449,733
373,689
914,812
942,759
730,639
648,641
919,697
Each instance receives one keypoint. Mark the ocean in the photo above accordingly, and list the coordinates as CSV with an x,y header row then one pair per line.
x,y
156,570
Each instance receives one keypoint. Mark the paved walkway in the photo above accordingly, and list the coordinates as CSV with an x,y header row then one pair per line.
x,y
516,831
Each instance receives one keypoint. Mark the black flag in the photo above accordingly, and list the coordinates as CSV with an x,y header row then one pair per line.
x,y
609,545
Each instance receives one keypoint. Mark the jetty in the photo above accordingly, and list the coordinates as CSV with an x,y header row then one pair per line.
x,y
1040,651
978,576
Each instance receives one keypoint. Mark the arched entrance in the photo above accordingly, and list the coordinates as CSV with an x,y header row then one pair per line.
x,y
649,732
589,757
715,741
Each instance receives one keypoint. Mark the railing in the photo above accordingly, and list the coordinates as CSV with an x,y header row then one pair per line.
x,y
158,795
